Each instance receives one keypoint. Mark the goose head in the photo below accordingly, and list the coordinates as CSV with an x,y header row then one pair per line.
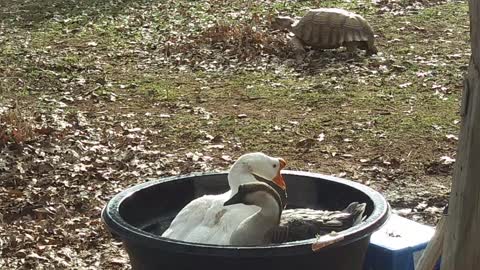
x,y
253,167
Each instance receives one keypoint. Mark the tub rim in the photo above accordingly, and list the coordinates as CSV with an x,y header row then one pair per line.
x,y
132,235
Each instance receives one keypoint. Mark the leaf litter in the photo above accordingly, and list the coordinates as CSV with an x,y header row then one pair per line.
x,y
92,102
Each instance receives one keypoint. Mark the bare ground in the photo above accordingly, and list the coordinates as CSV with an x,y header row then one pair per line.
x,y
96,97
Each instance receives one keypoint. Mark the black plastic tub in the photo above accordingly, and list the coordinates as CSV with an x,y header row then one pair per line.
x,y
139,214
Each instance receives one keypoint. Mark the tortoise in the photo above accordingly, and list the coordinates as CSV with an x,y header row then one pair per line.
x,y
328,28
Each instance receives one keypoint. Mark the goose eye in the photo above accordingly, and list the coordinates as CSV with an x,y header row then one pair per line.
x,y
274,165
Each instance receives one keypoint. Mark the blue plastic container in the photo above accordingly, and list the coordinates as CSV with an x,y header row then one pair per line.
x,y
398,245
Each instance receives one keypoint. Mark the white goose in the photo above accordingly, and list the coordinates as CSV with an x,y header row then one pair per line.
x,y
206,220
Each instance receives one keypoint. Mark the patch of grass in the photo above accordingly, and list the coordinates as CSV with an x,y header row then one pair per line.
x,y
161,89
337,84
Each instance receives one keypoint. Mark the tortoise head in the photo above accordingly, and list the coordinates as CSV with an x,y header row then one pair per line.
x,y
282,22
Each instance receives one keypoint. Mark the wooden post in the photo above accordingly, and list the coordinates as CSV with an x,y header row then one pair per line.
x,y
461,249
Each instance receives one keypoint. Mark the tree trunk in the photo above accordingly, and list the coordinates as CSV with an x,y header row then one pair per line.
x,y
461,250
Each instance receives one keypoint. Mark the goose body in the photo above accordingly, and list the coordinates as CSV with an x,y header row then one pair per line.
x,y
206,220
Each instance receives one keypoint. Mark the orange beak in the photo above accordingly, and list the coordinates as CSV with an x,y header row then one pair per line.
x,y
279,178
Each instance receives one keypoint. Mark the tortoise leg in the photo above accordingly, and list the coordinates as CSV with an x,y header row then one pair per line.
x,y
351,48
298,48
371,48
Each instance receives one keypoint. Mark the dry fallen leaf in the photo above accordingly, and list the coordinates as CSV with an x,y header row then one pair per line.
x,y
447,160
321,137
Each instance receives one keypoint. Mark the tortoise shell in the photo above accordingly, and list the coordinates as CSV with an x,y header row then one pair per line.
x,y
328,28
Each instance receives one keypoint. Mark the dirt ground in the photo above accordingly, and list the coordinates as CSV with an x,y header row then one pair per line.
x,y
96,97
